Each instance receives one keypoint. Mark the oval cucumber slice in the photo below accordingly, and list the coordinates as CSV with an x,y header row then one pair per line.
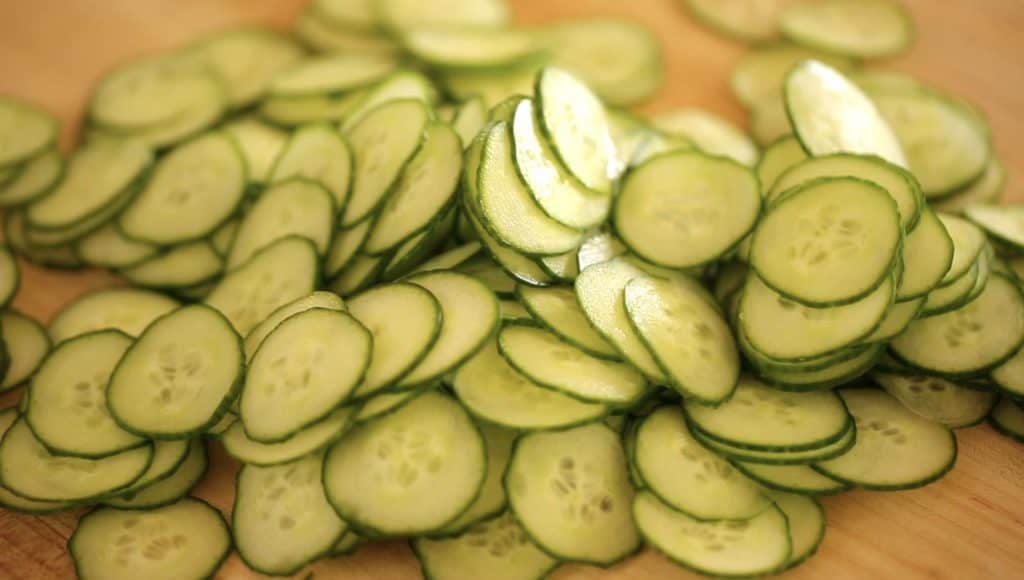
x,y
37,177
317,152
806,519
842,27
169,489
937,399
1008,418
795,479
318,299
306,441
492,499
557,310
129,310
26,345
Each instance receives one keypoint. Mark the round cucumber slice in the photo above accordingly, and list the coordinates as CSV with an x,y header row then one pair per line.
x,y
26,345
854,28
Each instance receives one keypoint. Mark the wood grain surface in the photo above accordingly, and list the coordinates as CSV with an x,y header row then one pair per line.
x,y
968,525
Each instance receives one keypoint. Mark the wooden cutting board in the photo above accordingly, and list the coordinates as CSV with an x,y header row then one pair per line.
x,y
968,525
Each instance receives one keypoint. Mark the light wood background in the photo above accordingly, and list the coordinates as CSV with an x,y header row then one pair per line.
x,y
968,525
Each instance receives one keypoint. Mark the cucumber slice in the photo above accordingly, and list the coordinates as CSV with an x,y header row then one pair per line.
x,y
26,346
854,28
985,190
12,501
492,87
491,500
296,111
188,539
409,472
600,290
937,399
978,337
25,131
826,378
246,60
405,321
828,243
999,221
37,177
108,247
348,544
182,266
386,403
688,337
769,121
895,448
168,457
281,520
570,491
293,381
469,118
422,193
305,442
494,391
761,73
511,264
794,479
9,276
688,477
562,267
490,274
170,489
710,133
548,361
61,256
1008,418
759,417
204,107
29,470
323,35
222,239
331,74
297,207
514,311
382,143
1008,377
359,14
899,317
193,190
805,517
276,275
49,238
346,244
129,310
402,14
684,209
97,174
404,84
725,548
414,250
830,114
946,144
747,20
961,291
67,406
928,254
575,122
735,453
260,144
473,49
785,330
179,377
557,193
317,152
557,310
363,272
469,314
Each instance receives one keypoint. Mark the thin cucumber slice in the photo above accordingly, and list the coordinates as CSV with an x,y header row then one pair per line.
x,y
785,330
597,249
928,254
359,14
469,118
1008,418
276,275
725,548
473,49
687,336
246,60
843,371
317,152
629,133
423,191
192,191
574,120
260,144
62,256
688,477
548,361
187,539
898,182
735,453
497,548
659,142
761,73
985,190
959,292
168,456
895,448
600,290
344,247
570,491
769,121
1009,376
331,74
25,131
386,403
293,381
97,174
746,20
359,275
937,399
516,266
830,114
946,145
322,35
978,337
494,391
557,310
29,470
556,192
108,247
49,238
490,274
296,111
382,143
710,133
899,317
169,489
760,417
38,176
405,321
203,108
829,242
306,441
409,472
805,517
183,266
179,377
491,500
404,84
348,544
684,209
129,310
12,501
854,28
9,276
469,314
492,87
281,520
563,266
1002,222
25,345
513,310
401,14
67,406
414,250
224,237
799,479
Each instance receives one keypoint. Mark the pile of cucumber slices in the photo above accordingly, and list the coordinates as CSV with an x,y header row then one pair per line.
x,y
420,274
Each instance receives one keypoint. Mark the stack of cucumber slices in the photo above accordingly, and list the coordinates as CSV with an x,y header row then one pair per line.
x,y
416,273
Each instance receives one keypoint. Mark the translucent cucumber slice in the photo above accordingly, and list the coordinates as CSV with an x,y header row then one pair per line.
x,y
710,133
129,310
297,207
320,153
854,28
761,73
319,299
937,399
